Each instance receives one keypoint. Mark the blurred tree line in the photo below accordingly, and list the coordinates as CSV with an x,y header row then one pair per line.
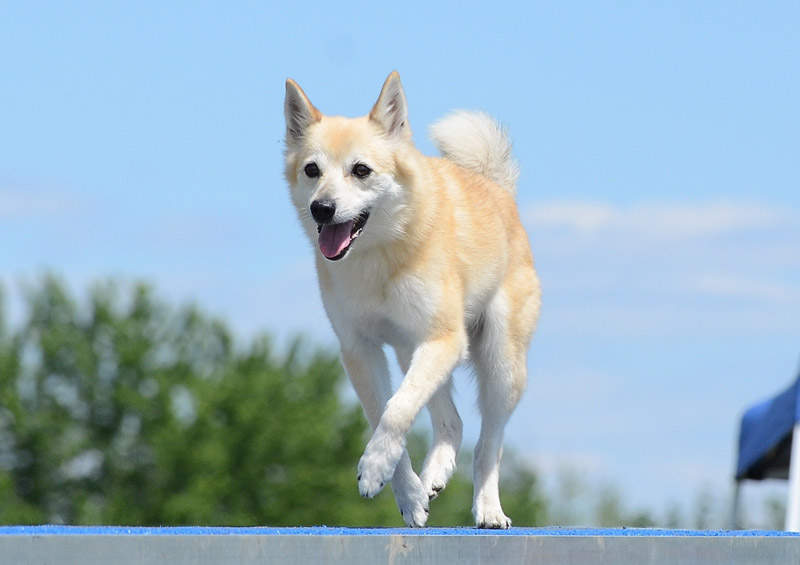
x,y
119,408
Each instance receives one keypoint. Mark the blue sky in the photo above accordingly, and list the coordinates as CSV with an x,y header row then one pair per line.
x,y
660,187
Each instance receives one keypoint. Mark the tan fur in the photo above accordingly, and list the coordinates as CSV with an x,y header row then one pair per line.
x,y
442,271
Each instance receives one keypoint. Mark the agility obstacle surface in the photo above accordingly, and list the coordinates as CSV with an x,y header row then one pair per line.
x,y
28,545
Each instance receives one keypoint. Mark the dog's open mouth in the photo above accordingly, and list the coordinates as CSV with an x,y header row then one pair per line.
x,y
335,239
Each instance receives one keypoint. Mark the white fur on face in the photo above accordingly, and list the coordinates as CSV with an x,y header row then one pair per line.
x,y
379,193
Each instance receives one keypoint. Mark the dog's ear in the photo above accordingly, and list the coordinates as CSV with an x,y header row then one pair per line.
x,y
299,111
391,109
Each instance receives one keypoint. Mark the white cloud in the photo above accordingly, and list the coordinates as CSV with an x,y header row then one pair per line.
x,y
24,202
734,286
581,216
654,220
666,269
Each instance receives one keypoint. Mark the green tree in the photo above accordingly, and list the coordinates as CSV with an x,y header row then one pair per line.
x,y
703,509
774,512
120,409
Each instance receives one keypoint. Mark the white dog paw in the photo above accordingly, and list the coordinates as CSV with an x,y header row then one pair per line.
x,y
438,468
376,466
492,519
412,500
370,480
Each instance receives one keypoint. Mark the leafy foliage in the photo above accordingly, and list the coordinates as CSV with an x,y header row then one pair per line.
x,y
124,410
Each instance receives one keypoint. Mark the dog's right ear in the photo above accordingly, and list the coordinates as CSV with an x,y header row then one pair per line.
x,y
299,112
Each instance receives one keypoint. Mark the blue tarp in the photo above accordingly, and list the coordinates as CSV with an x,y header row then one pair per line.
x,y
765,436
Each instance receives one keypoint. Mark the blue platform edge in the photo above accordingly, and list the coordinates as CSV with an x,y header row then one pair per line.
x,y
53,530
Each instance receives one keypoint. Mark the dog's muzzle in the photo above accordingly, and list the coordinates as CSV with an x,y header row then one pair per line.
x,y
335,240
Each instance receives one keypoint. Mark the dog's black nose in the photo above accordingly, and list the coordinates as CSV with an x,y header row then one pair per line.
x,y
323,210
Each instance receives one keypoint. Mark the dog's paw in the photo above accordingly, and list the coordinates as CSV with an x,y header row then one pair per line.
x,y
492,519
370,481
376,466
439,467
412,500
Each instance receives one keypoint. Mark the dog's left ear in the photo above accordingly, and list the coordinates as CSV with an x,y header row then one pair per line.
x,y
391,109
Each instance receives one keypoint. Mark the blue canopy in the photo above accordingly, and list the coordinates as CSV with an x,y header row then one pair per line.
x,y
765,436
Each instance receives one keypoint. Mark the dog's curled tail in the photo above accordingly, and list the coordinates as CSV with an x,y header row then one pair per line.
x,y
477,142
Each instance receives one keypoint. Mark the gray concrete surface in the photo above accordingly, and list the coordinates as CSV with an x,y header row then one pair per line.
x,y
395,549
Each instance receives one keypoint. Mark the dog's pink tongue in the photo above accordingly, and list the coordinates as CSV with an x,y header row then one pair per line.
x,y
334,238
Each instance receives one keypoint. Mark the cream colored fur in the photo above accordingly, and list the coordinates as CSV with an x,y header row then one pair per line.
x,y
478,143
442,273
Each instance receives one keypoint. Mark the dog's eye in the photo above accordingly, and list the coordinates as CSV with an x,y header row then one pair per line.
x,y
312,170
361,171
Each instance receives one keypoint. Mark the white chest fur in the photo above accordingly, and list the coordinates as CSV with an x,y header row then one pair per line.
x,y
363,301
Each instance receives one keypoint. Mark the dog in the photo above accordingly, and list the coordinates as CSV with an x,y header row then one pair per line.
x,y
427,255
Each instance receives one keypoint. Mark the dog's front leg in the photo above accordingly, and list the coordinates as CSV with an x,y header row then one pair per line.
x,y
430,368
368,372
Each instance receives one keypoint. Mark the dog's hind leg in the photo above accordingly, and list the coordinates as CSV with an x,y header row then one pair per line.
x,y
366,367
440,463
498,351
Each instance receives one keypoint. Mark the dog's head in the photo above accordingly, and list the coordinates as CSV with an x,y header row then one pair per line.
x,y
344,173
